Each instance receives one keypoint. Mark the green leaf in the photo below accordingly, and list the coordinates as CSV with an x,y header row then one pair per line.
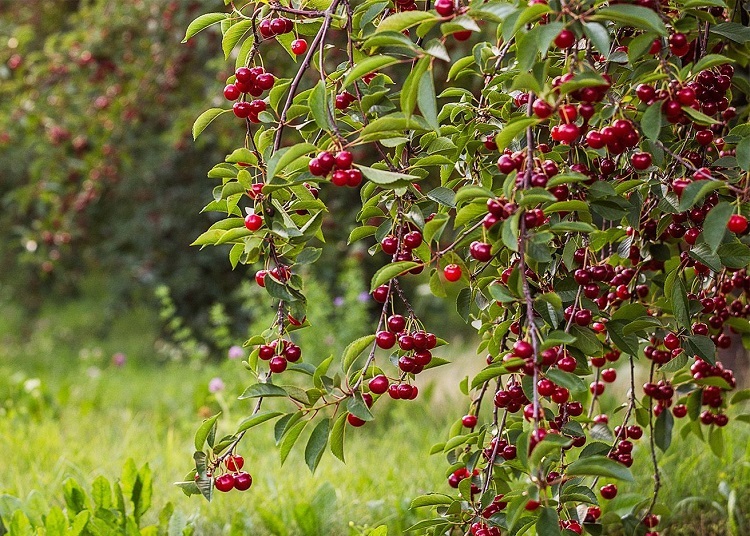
x,y
699,117
710,60
443,196
427,101
389,271
317,443
399,22
354,349
663,430
652,121
262,390
632,15
743,153
599,36
203,22
234,34
431,499
205,119
357,407
410,89
319,106
493,371
716,441
734,255
204,431
548,522
101,492
367,66
739,33
715,225
255,420
391,179
566,379
701,346
283,157
600,466
337,437
513,129
703,254
680,305
289,439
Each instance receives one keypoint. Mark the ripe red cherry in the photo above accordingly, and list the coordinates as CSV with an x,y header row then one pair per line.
x,y
523,349
242,481
413,239
462,35
452,272
567,364
380,294
241,109
609,375
385,339
344,160
481,251
389,245
354,420
445,8
253,222
640,161
224,482
235,463
568,132
609,491
260,277
565,39
645,92
680,410
379,384
542,109
231,92
278,26
634,432
737,223
469,421
265,81
265,28
277,364
299,47
396,323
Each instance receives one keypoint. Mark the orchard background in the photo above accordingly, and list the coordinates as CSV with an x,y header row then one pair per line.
x,y
565,290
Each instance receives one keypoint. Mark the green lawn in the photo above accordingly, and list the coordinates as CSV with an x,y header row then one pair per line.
x,y
68,411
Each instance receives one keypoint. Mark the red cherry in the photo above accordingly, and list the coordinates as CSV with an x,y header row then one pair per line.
x,y
413,239
253,222
452,272
278,26
299,47
379,384
641,161
469,421
523,349
481,251
445,8
353,177
354,420
277,364
265,29
385,339
737,224
235,463
344,160
260,277
242,481
265,81
462,35
645,92
224,482
231,92
609,375
680,410
609,491
542,109
241,109
565,39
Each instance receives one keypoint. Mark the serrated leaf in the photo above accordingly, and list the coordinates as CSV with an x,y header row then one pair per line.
x,y
632,15
234,34
652,121
680,305
399,22
319,106
354,349
205,119
337,437
715,225
255,420
204,431
283,157
410,88
262,390
548,522
367,66
289,439
389,271
566,379
663,430
391,179
203,22
600,466
598,35
426,100
513,129
316,445
431,499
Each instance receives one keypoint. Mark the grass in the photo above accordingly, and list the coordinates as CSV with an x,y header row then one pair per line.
x,y
68,411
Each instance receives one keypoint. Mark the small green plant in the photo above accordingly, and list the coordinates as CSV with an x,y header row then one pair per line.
x,y
109,508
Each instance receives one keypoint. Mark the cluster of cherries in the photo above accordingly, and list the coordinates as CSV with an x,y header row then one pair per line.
x,y
280,273
415,346
622,452
411,240
235,478
707,94
279,353
249,81
270,28
397,391
341,166
712,395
